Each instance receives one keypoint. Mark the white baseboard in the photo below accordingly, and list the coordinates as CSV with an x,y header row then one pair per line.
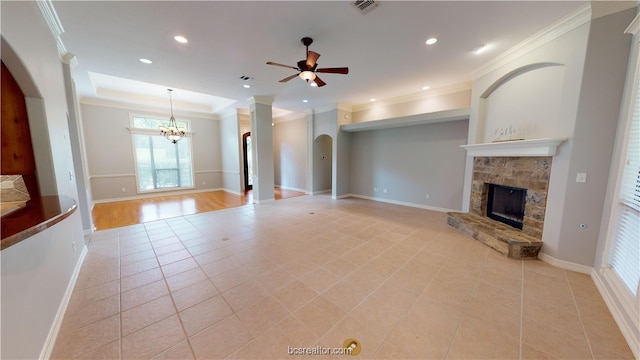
x,y
321,192
619,315
403,203
263,201
62,308
292,188
562,264
162,193
225,190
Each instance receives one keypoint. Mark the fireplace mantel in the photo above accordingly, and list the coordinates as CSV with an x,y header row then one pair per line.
x,y
533,147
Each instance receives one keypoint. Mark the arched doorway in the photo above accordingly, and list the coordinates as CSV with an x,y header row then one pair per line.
x,y
322,164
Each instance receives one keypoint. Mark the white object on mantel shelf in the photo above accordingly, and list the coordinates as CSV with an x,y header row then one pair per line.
x,y
533,147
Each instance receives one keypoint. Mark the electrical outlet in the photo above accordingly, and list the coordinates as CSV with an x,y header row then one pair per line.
x,y
427,196
581,177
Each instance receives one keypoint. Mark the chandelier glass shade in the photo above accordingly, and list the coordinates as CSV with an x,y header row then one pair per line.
x,y
307,75
172,132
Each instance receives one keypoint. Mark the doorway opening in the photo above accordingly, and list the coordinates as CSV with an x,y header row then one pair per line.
x,y
248,161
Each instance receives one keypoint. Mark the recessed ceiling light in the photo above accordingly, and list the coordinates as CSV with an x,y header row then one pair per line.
x,y
431,41
181,39
480,49
372,99
246,86
305,101
146,61
426,87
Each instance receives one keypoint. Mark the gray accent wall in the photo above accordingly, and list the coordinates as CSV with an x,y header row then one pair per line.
x,y
593,139
291,154
410,162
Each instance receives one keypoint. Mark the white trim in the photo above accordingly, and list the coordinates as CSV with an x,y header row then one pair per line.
x,y
208,171
110,176
292,188
263,201
534,147
634,27
160,193
411,120
563,26
618,314
396,202
161,111
51,17
562,264
62,308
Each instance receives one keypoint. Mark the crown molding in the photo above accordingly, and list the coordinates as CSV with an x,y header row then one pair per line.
x,y
422,95
55,26
634,27
148,108
561,27
51,17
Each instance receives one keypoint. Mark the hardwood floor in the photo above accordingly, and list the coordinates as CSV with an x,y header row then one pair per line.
x,y
130,212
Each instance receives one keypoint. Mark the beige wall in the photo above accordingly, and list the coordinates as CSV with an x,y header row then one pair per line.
x,y
106,127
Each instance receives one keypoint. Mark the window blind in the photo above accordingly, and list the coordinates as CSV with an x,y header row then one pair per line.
x,y
625,255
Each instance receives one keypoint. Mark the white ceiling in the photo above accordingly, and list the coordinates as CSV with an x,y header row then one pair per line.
x,y
384,49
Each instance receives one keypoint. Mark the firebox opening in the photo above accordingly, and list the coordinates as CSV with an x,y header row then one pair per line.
x,y
506,204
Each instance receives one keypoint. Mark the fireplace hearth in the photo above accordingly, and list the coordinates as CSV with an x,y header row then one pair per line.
x,y
508,203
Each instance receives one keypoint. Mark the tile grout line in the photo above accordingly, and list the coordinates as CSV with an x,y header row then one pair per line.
x,y
521,308
575,303
466,308
164,278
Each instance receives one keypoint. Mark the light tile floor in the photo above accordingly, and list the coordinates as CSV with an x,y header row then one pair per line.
x,y
251,281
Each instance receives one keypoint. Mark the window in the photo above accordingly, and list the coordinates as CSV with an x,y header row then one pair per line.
x,y
625,251
160,164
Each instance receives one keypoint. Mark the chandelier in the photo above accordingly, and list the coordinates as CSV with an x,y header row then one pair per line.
x,y
172,132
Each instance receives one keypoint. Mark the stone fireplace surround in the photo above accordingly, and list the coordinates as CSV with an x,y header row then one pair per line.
x,y
530,173
523,164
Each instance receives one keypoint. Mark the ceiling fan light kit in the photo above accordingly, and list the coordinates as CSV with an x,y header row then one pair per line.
x,y
308,68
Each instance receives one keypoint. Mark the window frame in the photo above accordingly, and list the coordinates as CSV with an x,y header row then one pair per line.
x,y
629,302
151,132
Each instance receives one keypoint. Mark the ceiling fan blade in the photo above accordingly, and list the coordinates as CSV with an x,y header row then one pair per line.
x,y
282,65
288,78
312,57
339,70
319,82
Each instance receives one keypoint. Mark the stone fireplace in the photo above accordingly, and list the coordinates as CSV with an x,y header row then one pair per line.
x,y
530,173
522,167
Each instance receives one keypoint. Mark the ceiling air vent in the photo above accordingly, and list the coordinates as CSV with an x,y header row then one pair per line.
x,y
365,5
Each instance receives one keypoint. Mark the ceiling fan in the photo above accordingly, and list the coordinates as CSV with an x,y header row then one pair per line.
x,y
308,67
